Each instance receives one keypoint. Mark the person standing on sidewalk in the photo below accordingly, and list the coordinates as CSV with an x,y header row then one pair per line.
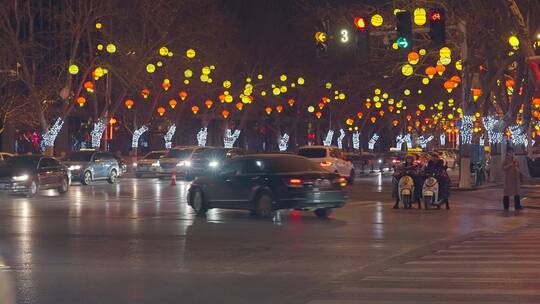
x,y
512,179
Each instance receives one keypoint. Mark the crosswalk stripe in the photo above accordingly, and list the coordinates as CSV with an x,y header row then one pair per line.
x,y
444,291
450,279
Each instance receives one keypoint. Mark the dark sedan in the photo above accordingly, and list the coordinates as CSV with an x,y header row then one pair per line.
x,y
265,183
27,174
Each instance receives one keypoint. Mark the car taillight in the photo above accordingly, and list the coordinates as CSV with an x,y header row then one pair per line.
x,y
294,182
342,181
326,163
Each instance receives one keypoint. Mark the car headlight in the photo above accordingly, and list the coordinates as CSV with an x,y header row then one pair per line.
x,y
380,161
185,163
21,178
74,167
213,164
156,164
134,164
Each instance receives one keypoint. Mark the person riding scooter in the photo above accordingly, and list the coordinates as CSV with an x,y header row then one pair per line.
x,y
407,168
437,169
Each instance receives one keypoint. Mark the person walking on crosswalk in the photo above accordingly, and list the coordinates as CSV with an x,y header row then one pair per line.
x,y
512,180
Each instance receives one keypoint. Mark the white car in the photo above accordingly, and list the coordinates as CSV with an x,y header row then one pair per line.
x,y
149,164
5,156
330,159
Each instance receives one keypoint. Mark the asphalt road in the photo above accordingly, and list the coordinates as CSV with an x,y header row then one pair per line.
x,y
139,242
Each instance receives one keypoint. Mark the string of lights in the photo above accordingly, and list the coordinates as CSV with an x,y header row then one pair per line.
x,y
230,138
423,141
50,135
136,135
466,129
442,139
492,125
202,135
519,138
356,140
168,137
408,140
372,141
340,138
283,142
97,133
329,136
399,141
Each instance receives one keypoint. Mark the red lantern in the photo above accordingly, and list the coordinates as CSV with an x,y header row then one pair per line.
x,y
279,108
239,106
395,122
129,103
225,114
360,115
373,119
166,84
208,103
145,93
195,109
161,111
172,103
81,101
291,102
318,115
321,105
89,86
183,95
268,110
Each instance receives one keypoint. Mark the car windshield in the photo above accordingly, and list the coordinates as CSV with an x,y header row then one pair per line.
x,y
312,152
154,155
214,154
179,153
80,156
203,153
23,161
290,164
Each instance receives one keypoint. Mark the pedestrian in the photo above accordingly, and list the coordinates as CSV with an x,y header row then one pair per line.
x,y
512,180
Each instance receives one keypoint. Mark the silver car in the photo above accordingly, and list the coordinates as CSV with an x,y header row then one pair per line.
x,y
89,165
149,164
177,161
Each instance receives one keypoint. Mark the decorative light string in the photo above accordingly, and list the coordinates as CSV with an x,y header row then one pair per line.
x,y
481,141
168,137
136,135
201,137
283,142
329,136
423,141
356,140
97,133
230,138
519,138
372,141
466,129
50,135
493,125
442,139
340,138
408,140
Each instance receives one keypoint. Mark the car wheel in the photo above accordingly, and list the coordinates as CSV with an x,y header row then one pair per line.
x,y
263,205
323,212
197,202
112,177
64,187
87,178
350,180
32,189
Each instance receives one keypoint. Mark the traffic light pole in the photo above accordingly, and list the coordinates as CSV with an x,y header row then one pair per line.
x,y
465,148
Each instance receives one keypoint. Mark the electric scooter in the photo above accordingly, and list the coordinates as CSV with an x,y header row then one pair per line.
x,y
406,191
430,193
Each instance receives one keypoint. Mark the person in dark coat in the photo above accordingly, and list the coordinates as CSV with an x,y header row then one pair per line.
x,y
512,180
437,169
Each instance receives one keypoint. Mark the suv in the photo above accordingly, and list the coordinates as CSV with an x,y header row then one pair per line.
x,y
89,165
177,161
330,159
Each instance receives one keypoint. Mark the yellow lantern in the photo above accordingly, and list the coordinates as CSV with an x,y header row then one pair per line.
x,y
311,109
111,48
420,16
514,41
445,52
190,53
376,20
73,69
283,77
188,73
163,51
150,68
407,70
300,81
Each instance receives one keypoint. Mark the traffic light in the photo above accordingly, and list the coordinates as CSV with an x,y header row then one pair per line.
x,y
321,36
437,26
404,30
362,35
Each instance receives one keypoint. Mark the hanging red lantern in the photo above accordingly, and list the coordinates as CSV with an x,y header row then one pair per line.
x,y
172,103
268,110
368,105
129,103
208,103
161,111
145,93
291,102
195,109
381,112
409,117
279,108
183,95
321,105
360,115
318,115
225,114
373,119
395,122
239,106
89,86
166,84
81,101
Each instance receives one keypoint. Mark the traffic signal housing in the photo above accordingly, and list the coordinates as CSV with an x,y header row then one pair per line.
x,y
404,30
362,34
437,26
321,36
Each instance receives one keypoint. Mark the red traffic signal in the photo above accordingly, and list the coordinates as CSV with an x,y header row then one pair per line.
x,y
436,15
360,23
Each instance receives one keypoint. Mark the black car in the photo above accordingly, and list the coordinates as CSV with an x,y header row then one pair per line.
x,y
27,174
205,161
264,183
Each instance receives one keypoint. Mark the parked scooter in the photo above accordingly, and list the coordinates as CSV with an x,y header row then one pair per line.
x,y
406,191
430,193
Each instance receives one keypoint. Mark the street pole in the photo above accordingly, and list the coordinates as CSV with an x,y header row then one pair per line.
x,y
464,155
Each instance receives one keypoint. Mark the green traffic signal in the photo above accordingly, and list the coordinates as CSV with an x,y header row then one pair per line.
x,y
402,43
